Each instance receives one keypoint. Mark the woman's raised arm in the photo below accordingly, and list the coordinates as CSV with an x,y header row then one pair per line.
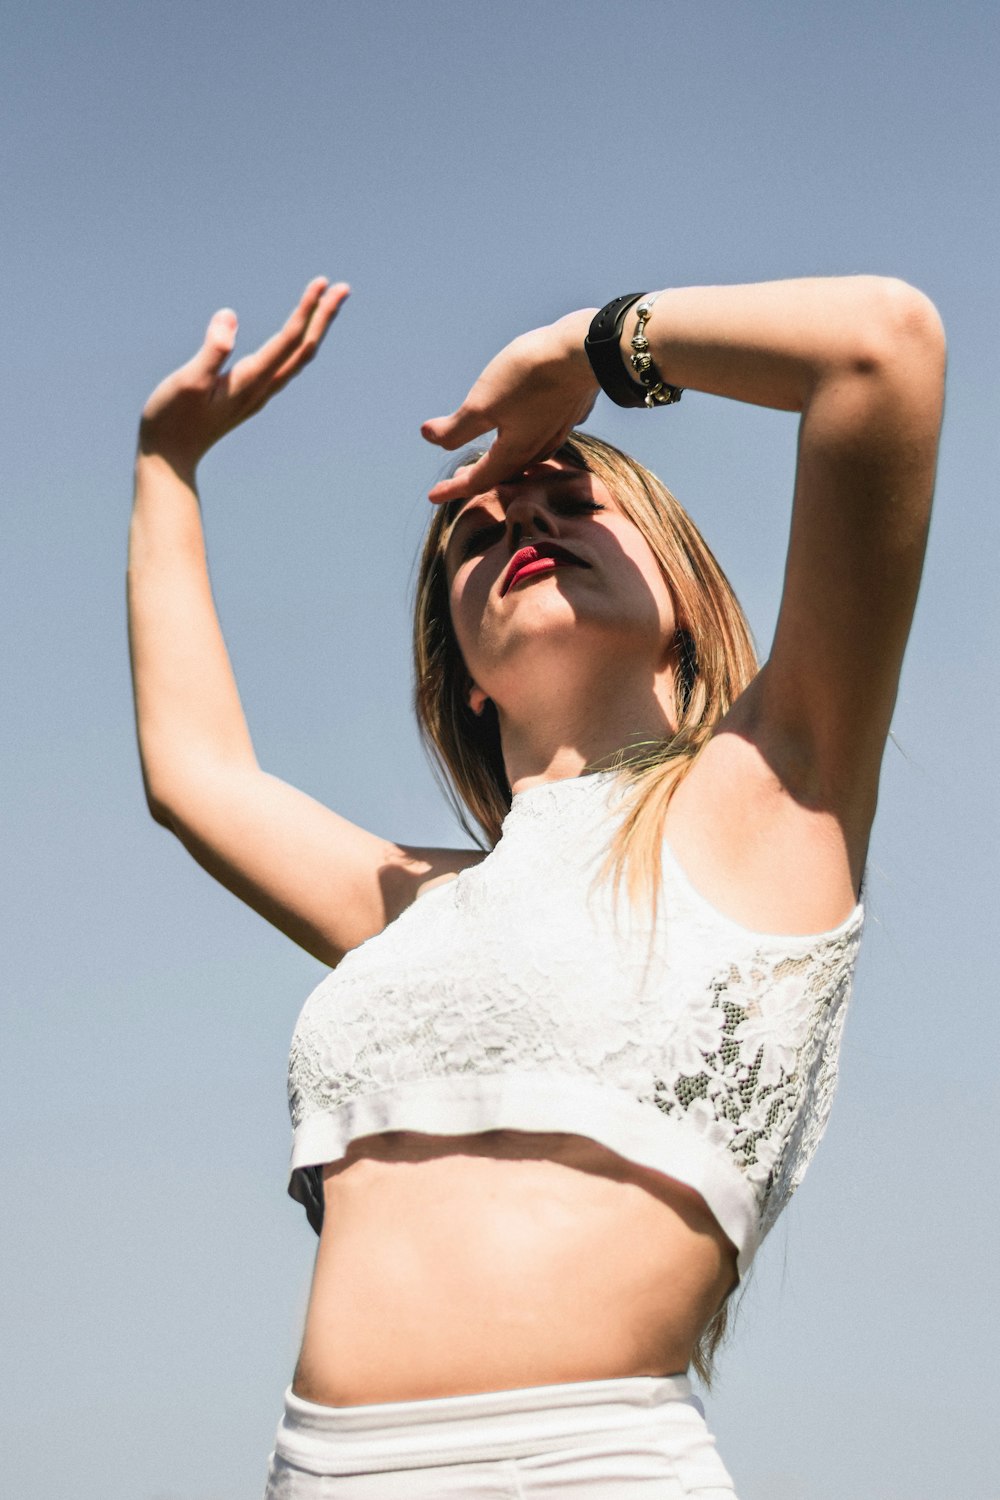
x,y
324,881
862,359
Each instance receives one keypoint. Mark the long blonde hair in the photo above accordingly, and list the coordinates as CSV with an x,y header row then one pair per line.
x,y
716,660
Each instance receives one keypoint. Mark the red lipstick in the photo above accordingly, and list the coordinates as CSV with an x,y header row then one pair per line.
x,y
545,557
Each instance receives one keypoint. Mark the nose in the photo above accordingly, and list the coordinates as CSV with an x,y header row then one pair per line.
x,y
526,520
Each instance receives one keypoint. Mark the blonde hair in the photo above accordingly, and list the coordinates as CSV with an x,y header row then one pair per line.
x,y
716,660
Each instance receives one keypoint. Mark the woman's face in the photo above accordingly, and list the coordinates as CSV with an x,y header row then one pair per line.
x,y
586,582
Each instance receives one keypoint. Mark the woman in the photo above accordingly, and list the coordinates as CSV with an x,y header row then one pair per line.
x,y
544,1120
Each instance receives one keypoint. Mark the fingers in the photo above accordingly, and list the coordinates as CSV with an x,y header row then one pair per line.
x,y
461,427
277,348
460,487
323,315
318,301
220,337
505,458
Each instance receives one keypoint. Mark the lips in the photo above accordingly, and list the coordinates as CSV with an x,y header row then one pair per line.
x,y
529,561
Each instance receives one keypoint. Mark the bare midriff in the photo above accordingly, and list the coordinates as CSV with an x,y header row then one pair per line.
x,y
451,1265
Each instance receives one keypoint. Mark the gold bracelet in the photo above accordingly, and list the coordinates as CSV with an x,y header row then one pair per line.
x,y
658,391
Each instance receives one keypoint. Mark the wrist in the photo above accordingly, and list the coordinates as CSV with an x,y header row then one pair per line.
x,y
154,463
572,330
621,325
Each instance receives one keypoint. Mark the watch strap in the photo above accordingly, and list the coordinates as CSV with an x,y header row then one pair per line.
x,y
603,346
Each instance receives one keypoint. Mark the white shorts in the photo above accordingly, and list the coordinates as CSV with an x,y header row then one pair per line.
x,y
642,1438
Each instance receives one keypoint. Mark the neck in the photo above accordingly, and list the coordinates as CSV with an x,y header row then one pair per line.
x,y
559,731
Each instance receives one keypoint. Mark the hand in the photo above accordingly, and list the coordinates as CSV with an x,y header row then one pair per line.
x,y
198,404
534,393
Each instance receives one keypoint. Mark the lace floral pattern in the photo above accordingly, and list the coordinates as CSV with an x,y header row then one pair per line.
x,y
521,963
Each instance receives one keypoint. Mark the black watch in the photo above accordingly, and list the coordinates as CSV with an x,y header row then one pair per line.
x,y
603,346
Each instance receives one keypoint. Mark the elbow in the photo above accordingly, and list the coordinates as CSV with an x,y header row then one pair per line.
x,y
156,803
898,329
158,811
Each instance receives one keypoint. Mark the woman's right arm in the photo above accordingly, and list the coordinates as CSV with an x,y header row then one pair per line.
x,y
321,879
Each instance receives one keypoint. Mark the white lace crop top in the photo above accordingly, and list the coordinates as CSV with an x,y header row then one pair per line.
x,y
516,997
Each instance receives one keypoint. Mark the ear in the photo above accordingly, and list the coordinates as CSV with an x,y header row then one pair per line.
x,y
477,700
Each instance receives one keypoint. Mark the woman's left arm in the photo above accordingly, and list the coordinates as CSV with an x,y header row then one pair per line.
x,y
862,358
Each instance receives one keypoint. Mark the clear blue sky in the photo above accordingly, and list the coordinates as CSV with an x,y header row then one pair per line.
x,y
472,170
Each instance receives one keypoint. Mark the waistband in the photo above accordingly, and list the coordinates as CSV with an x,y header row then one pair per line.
x,y
489,1425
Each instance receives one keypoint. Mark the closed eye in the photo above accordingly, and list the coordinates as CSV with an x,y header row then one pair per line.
x,y
573,505
481,538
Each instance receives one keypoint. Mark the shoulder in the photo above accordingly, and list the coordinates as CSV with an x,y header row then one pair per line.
x,y
431,868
